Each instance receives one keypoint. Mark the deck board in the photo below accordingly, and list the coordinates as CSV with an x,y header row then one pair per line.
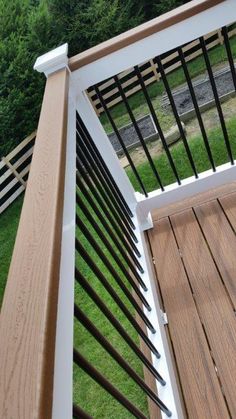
x,y
201,388
214,306
221,240
194,249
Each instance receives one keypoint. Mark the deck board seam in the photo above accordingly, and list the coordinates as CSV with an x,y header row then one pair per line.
x,y
225,214
214,261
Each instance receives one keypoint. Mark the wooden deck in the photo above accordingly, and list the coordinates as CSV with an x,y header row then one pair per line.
x,y
194,248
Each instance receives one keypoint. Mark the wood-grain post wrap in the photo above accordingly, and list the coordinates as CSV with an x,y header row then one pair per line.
x,y
28,317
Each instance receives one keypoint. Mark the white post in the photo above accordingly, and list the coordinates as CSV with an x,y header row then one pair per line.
x,y
104,146
63,367
63,370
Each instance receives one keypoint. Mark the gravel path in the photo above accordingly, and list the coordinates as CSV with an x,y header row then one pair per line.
x,y
183,101
203,91
129,135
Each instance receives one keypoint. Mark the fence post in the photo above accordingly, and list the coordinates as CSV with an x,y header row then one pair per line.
x,y
220,37
154,69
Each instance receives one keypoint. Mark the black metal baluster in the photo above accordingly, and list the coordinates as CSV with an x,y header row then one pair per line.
x,y
115,275
132,165
136,127
89,177
104,166
115,323
101,167
80,249
172,102
78,413
229,54
103,176
123,239
95,375
107,243
130,254
85,321
156,122
102,187
93,184
217,100
196,107
106,225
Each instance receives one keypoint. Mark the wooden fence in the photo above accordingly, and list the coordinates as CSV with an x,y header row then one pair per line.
x,y
149,71
14,171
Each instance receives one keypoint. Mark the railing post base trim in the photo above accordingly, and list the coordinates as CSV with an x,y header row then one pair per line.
x,y
144,218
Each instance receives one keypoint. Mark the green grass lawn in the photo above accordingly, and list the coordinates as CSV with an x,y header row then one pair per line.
x,y
180,158
176,78
8,227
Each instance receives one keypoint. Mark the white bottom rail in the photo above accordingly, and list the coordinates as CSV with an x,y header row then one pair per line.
x,y
189,187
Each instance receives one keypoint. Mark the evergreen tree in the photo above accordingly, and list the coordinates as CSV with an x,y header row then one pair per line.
x,y
29,28
163,6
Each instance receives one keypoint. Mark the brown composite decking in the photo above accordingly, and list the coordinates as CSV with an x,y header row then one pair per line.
x,y
194,248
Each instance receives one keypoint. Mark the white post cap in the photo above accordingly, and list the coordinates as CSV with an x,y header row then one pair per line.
x,y
53,60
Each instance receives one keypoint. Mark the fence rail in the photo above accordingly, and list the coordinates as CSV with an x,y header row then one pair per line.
x,y
150,72
14,171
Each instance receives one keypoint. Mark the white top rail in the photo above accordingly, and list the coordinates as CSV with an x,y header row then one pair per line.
x,y
158,43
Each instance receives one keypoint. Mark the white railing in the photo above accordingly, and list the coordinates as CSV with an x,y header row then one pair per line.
x,y
102,68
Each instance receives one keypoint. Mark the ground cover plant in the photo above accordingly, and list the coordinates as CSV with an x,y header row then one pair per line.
x,y
196,144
